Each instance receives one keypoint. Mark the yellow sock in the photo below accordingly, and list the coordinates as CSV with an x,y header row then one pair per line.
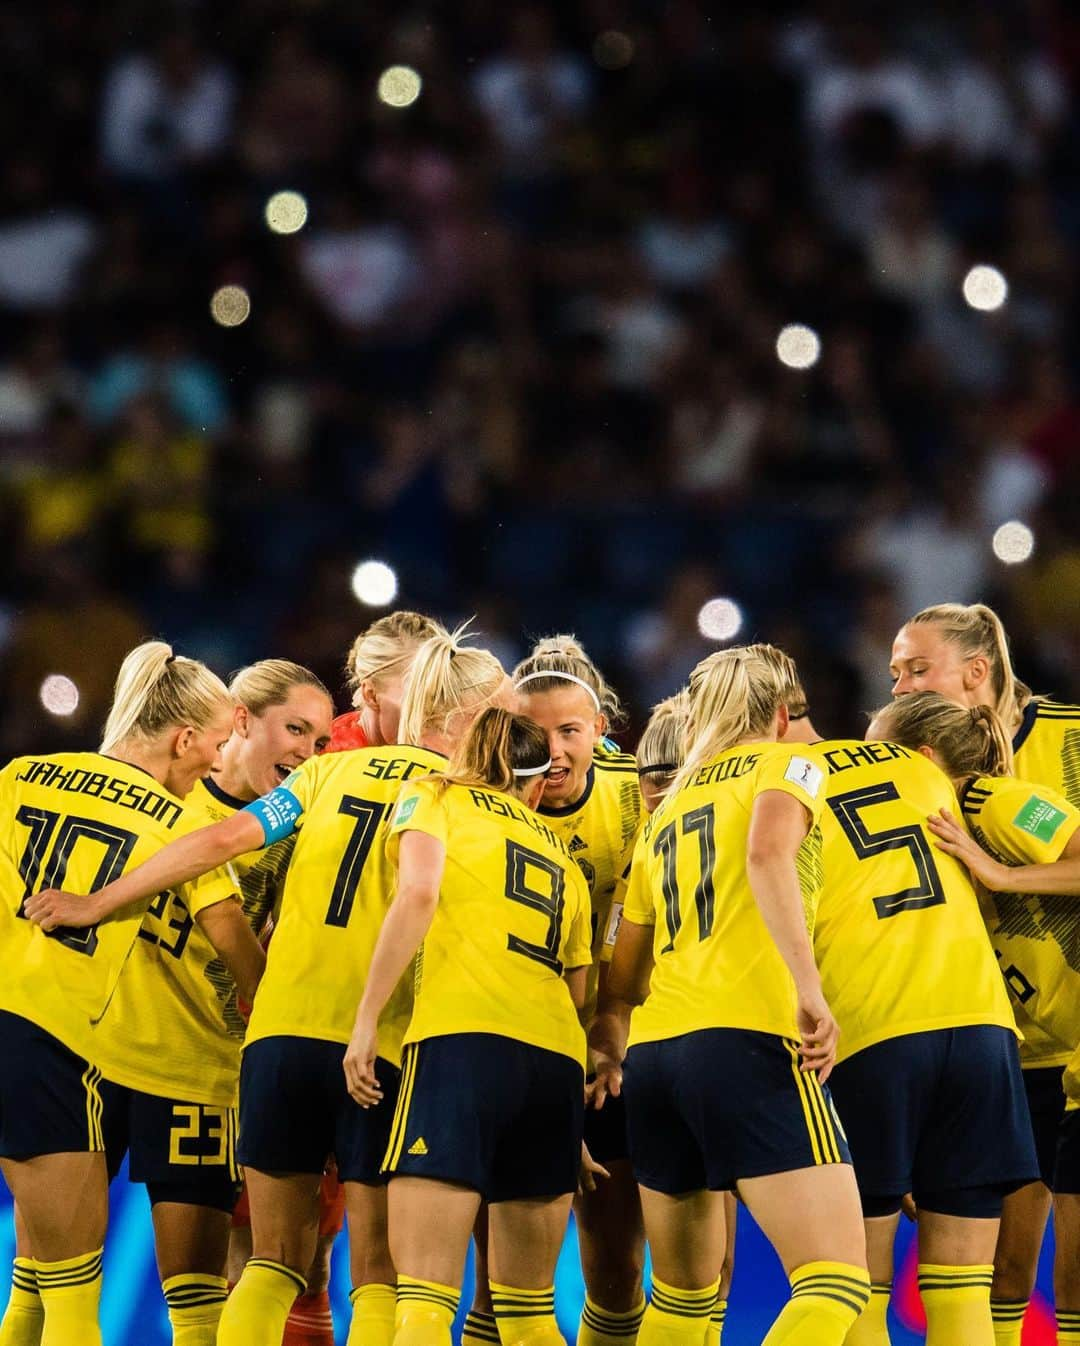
x,y
525,1316
716,1323
195,1303
1008,1319
425,1312
599,1327
24,1317
826,1299
259,1304
70,1293
480,1329
373,1309
957,1304
1068,1327
871,1328
677,1317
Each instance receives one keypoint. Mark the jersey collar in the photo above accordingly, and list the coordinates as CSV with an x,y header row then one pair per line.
x,y
1027,723
567,809
223,796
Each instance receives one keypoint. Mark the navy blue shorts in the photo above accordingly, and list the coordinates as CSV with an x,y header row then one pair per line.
x,y
605,1131
491,1113
295,1111
942,1115
183,1152
1067,1168
709,1108
1046,1104
50,1098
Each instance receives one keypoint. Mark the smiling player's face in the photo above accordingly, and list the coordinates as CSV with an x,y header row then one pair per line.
x,y
284,736
573,727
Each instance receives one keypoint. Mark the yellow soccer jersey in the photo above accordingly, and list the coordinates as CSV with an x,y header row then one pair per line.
x,y
513,913
1047,751
599,832
716,965
338,890
1036,938
76,821
173,1027
899,940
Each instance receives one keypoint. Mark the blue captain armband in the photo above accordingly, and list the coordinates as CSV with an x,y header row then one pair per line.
x,y
278,812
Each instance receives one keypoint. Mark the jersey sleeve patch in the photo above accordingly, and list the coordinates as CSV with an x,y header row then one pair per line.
x,y
278,812
406,809
1039,818
801,771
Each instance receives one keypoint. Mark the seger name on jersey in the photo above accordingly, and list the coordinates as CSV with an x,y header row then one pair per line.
x,y
99,785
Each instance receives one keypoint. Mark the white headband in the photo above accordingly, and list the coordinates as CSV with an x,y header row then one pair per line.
x,y
533,770
563,677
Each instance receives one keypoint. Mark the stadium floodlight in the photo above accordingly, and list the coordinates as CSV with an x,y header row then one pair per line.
x,y
985,288
59,695
1013,542
720,619
374,584
399,86
286,212
230,306
798,346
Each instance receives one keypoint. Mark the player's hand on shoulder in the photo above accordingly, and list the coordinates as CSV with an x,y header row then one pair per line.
x,y
952,837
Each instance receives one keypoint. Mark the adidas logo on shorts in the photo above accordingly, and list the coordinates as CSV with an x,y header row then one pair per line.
x,y
418,1146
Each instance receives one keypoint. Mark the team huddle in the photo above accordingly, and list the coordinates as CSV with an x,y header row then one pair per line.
x,y
453,963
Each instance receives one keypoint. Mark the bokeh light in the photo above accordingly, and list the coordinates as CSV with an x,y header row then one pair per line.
x,y
399,86
798,346
230,305
59,695
613,50
374,584
720,619
286,212
1013,542
985,288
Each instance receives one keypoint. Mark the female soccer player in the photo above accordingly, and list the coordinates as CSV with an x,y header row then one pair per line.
x,y
729,1052
659,755
294,1108
911,977
492,1095
377,664
80,819
592,801
963,653
1022,842
283,717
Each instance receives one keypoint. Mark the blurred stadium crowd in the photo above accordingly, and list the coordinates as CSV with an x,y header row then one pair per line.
x,y
524,348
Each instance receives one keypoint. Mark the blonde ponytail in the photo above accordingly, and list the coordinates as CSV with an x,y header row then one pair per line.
x,y
565,660
662,745
977,629
446,678
734,694
157,690
968,740
269,682
497,744
386,647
